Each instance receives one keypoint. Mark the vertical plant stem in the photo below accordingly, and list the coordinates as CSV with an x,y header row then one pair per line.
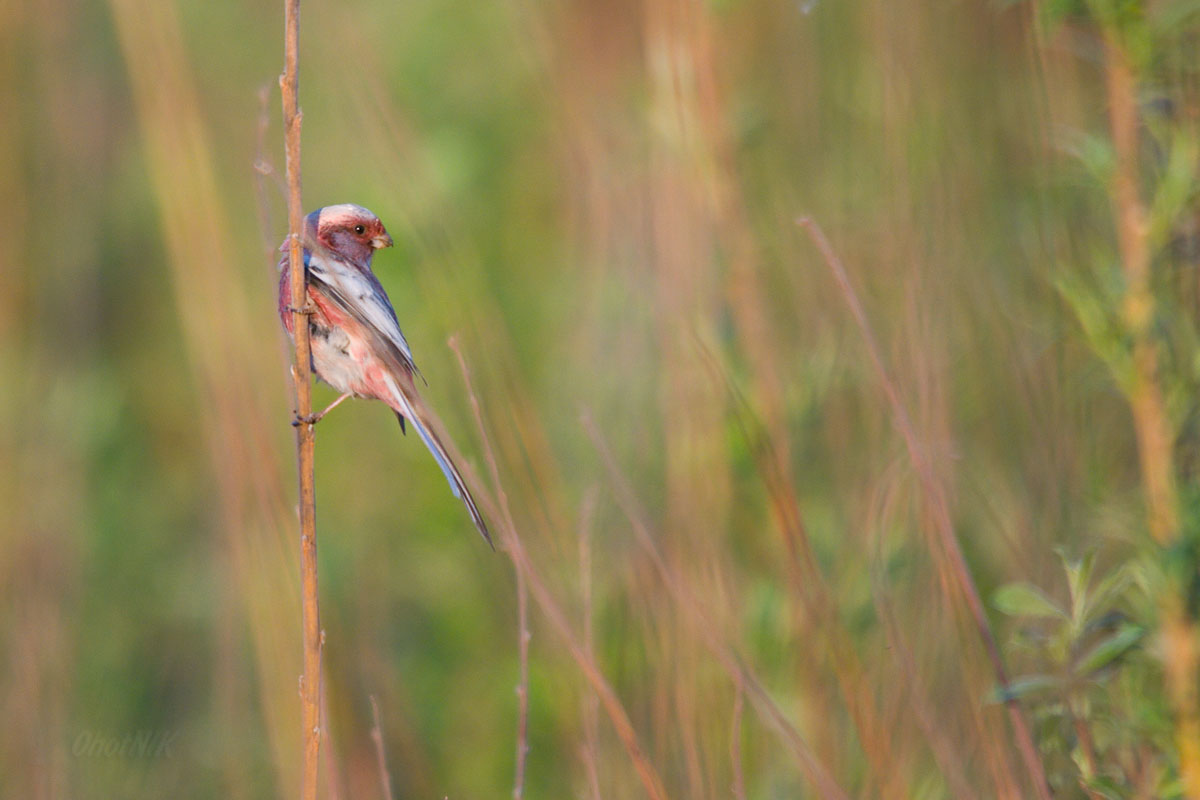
x,y
385,780
310,612
808,585
939,508
223,336
590,749
513,545
1152,425
522,596
522,686
735,745
695,613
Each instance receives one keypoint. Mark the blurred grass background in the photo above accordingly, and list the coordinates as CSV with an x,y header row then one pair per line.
x,y
599,200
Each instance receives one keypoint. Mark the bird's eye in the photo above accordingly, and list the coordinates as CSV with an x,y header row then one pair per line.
x,y
359,229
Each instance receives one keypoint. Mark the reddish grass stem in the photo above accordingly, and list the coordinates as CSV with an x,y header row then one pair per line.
x,y
735,745
590,748
648,775
696,615
522,686
939,507
523,634
808,585
310,683
385,780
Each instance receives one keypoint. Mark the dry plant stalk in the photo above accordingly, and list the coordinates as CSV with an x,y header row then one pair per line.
x,y
735,745
385,779
227,341
523,632
809,588
522,686
695,614
939,509
310,683
557,618
590,749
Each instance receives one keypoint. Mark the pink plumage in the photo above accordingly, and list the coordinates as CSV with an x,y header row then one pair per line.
x,y
357,345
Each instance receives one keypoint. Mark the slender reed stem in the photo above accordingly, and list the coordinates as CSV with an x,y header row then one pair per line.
x,y
735,745
523,634
808,585
385,779
939,507
523,686
590,748
695,613
1151,422
513,545
310,683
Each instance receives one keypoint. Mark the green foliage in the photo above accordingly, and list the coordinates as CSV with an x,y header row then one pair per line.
x,y
1085,665
583,192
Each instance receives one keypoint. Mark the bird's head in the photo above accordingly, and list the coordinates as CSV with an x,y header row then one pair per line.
x,y
349,231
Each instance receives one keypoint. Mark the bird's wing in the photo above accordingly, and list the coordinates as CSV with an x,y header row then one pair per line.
x,y
361,295
358,294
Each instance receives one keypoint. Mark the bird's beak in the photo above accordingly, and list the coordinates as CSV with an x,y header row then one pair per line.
x,y
381,241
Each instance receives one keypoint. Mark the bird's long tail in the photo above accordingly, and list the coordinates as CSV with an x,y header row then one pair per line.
x,y
414,411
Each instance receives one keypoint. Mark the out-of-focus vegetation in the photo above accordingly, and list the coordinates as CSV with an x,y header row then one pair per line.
x,y
599,199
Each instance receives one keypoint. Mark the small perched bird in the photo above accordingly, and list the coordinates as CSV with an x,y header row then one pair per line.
x,y
357,346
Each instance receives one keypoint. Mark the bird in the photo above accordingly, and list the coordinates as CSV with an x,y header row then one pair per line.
x,y
356,342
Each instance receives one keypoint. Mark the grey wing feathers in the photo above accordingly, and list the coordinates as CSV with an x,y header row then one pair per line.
x,y
388,343
359,294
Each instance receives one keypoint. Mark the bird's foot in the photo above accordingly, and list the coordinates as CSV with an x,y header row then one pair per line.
x,y
308,308
313,419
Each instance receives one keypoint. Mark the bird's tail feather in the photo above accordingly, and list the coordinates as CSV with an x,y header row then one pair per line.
x,y
416,414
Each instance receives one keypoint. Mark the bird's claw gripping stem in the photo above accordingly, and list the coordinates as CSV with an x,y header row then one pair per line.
x,y
313,419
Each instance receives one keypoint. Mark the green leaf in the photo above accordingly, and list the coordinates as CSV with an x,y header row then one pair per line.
x,y
1094,308
1079,575
1109,649
1170,789
1093,152
1105,594
1025,600
1104,786
1175,190
1055,11
1025,686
